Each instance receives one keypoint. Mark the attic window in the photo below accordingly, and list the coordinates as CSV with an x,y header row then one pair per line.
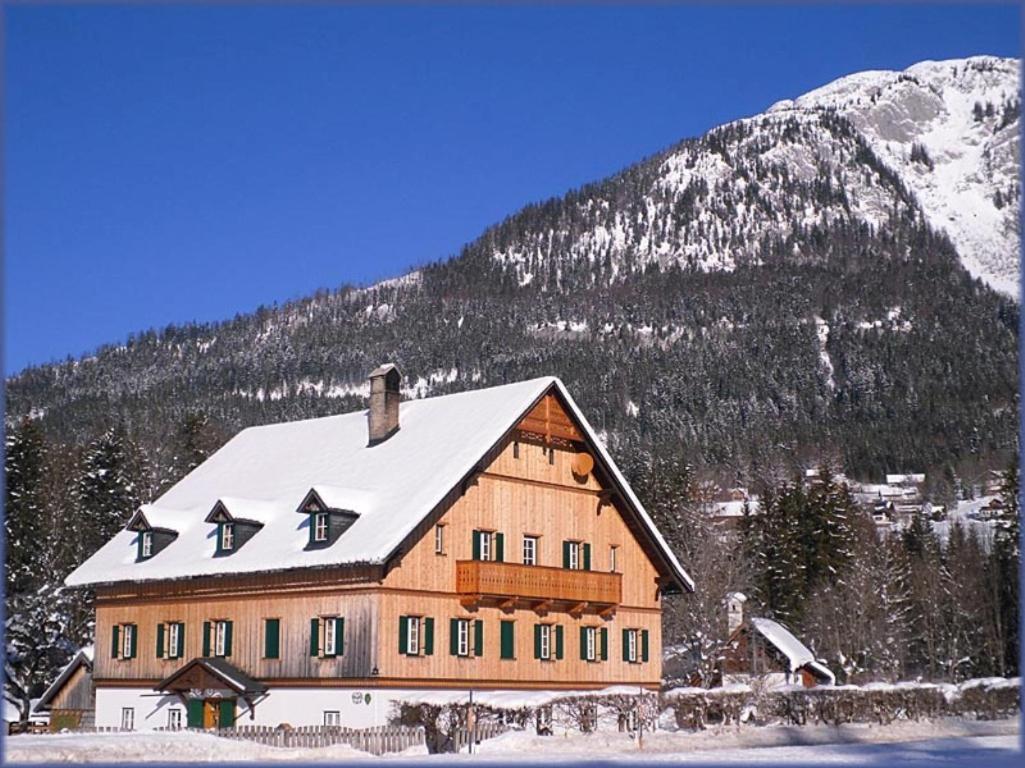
x,y
320,526
146,545
227,536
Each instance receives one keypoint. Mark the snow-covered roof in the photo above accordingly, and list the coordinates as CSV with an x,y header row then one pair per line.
x,y
797,653
392,486
84,656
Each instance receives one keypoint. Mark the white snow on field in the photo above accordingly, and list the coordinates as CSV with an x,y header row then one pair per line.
x,y
959,741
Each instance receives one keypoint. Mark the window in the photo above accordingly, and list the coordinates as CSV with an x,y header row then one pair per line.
x,y
546,641
227,536
123,642
462,627
613,552
576,555
488,545
439,539
320,523
271,638
589,643
516,449
174,640
174,719
128,642
413,639
416,635
330,637
635,645
508,650
147,543
530,550
127,718
332,717
221,638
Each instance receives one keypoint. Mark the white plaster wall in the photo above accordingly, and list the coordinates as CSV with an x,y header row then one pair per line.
x,y
295,706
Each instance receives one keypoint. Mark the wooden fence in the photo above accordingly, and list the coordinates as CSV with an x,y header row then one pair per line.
x,y
377,740
485,730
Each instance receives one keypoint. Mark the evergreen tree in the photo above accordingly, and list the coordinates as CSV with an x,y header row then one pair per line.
x,y
107,490
25,521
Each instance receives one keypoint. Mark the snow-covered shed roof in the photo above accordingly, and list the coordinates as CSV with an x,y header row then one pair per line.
x,y
796,652
84,656
391,486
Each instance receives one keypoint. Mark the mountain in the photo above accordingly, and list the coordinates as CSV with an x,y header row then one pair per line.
x,y
833,277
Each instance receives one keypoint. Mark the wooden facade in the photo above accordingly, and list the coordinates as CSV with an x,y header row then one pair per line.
x,y
530,485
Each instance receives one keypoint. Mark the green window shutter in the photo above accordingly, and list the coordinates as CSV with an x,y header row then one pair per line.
x,y
160,641
583,643
403,634
644,645
558,641
604,643
181,640
565,554
226,714
500,547
587,556
115,641
428,636
227,637
206,638
271,638
476,545
453,637
537,641
626,645
507,640
314,637
194,713
133,639
339,636
478,637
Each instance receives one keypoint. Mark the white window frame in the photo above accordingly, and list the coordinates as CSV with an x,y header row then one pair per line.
x,y
463,637
320,525
574,555
413,636
530,550
220,637
147,543
173,640
127,718
330,637
127,633
227,537
613,558
439,539
332,717
174,718
546,642
631,646
591,643
485,545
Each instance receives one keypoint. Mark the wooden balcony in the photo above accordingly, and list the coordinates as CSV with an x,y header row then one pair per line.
x,y
539,587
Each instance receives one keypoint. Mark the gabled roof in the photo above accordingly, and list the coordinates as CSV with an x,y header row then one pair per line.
x,y
391,486
220,669
797,653
83,658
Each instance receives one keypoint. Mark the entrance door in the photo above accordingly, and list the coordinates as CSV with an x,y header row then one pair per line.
x,y
210,713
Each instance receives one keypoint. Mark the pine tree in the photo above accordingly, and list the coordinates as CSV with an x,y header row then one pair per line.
x,y
24,505
1006,564
107,492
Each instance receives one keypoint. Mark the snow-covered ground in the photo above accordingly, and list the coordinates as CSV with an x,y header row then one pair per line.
x,y
948,740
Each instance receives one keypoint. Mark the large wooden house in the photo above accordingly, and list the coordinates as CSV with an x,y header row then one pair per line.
x,y
312,572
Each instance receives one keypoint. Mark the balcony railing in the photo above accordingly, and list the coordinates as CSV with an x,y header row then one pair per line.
x,y
538,584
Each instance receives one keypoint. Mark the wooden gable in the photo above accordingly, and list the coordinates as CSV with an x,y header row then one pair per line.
x,y
548,422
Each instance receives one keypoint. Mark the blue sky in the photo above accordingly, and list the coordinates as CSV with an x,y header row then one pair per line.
x,y
165,165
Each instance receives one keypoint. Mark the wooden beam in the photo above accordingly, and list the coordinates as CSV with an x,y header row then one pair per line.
x,y
577,610
607,613
507,605
469,601
542,607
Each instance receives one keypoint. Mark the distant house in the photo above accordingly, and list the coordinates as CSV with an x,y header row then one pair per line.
x,y
70,699
759,647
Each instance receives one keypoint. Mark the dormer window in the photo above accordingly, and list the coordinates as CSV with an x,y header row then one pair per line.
x,y
151,539
146,545
326,523
227,537
320,526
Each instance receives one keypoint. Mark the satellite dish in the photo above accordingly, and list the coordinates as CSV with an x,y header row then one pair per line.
x,y
583,463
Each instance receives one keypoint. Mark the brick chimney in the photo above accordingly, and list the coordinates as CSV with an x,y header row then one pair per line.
x,y
734,611
383,417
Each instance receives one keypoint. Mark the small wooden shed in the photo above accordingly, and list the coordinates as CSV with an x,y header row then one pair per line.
x,y
71,698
